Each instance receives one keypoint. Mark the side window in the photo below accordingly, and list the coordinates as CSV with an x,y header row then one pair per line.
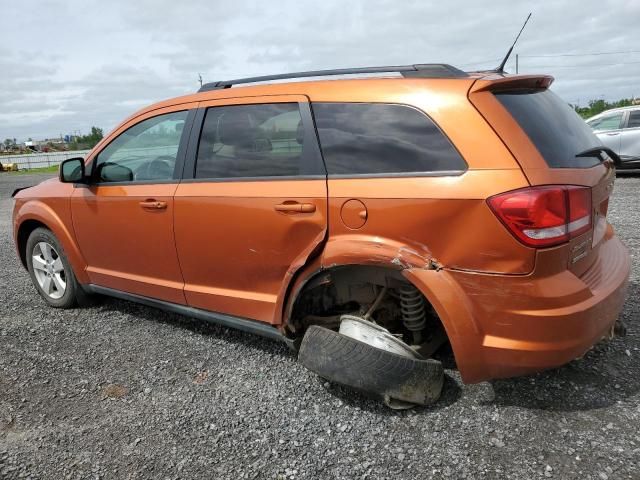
x,y
607,122
261,140
634,119
146,151
370,138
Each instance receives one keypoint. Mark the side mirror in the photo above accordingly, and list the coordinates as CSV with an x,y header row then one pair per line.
x,y
72,170
112,172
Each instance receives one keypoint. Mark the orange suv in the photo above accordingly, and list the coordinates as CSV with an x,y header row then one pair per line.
x,y
364,221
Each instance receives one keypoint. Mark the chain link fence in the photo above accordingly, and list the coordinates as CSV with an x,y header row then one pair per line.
x,y
40,160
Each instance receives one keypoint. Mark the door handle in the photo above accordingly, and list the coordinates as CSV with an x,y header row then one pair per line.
x,y
153,205
295,207
612,134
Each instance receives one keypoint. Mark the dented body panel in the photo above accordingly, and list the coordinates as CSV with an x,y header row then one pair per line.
x,y
501,326
407,219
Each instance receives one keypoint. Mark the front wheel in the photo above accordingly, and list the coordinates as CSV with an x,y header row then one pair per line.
x,y
50,270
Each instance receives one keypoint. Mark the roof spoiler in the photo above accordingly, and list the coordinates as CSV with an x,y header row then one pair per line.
x,y
495,83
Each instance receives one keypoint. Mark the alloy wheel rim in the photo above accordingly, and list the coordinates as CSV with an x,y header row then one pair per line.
x,y
49,270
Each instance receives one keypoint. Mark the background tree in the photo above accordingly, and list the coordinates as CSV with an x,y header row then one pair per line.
x,y
598,106
88,141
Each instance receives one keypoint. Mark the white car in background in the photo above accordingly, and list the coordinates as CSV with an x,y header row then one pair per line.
x,y
619,129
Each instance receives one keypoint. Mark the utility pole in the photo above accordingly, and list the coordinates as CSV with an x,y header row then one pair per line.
x,y
516,63
200,80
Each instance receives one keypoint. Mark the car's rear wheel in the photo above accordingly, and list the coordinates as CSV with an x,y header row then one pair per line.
x,y
50,270
372,365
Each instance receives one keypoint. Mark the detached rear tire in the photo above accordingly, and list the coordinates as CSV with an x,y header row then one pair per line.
x,y
344,360
50,270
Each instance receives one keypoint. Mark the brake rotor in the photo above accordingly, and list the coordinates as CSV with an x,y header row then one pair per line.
x,y
374,335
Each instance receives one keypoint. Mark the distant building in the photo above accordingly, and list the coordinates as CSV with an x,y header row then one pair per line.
x,y
46,145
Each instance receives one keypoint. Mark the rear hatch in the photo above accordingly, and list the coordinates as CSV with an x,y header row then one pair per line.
x,y
545,135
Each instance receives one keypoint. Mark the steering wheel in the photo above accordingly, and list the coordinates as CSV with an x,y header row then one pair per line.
x,y
160,168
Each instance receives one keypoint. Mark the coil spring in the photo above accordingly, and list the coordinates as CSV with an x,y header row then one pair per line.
x,y
412,308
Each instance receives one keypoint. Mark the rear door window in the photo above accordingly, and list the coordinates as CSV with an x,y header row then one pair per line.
x,y
382,139
253,141
555,129
634,119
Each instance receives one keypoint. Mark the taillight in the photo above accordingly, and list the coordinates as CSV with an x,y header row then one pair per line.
x,y
544,216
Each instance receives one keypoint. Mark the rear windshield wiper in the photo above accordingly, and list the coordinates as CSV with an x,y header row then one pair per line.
x,y
596,151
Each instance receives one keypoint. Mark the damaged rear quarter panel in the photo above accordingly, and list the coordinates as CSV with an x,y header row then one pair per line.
x,y
425,221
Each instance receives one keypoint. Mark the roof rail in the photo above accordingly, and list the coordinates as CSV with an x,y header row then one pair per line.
x,y
425,70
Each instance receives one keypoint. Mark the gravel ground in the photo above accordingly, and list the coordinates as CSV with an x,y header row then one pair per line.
x,y
124,391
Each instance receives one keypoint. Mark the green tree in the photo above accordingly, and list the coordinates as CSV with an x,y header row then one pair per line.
x,y
598,106
94,137
88,141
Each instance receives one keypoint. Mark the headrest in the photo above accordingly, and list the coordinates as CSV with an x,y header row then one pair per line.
x,y
236,128
300,133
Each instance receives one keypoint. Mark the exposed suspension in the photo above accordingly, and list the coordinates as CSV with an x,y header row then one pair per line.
x,y
413,311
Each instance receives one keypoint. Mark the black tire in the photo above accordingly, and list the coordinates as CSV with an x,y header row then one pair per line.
x,y
355,364
72,291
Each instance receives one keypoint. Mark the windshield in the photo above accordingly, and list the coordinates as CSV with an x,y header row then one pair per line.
x,y
553,126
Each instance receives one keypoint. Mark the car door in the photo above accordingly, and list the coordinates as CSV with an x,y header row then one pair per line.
x,y
123,218
630,140
252,206
608,128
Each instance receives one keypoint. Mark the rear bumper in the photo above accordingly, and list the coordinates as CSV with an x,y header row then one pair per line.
x,y
503,326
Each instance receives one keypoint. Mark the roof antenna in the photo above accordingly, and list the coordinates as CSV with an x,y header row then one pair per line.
x,y
500,69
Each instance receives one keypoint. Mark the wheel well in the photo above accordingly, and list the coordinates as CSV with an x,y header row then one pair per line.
x,y
24,231
379,294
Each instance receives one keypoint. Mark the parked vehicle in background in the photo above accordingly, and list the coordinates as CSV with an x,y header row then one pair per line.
x,y
364,221
619,129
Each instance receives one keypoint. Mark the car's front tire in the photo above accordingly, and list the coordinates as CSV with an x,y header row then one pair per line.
x,y
50,270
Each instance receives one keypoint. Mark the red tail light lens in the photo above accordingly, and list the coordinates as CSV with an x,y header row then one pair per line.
x,y
544,216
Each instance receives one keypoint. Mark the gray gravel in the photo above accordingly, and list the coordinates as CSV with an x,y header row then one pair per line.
x,y
124,391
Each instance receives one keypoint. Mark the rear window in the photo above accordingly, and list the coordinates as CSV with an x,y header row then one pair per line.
x,y
379,139
553,126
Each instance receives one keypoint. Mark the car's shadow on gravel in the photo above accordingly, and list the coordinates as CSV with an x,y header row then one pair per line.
x,y
600,379
450,394
200,327
597,380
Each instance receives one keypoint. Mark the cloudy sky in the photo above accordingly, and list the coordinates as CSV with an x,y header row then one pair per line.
x,y
67,65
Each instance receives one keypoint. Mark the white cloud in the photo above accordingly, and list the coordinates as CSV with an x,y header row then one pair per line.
x,y
73,64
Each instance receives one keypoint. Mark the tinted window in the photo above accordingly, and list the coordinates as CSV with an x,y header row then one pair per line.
x,y
553,126
634,119
369,138
146,151
606,122
265,140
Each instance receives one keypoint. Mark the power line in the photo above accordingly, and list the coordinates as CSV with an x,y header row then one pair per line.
x,y
491,62
582,66
581,54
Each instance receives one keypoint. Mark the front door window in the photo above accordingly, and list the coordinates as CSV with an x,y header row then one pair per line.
x,y
145,152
